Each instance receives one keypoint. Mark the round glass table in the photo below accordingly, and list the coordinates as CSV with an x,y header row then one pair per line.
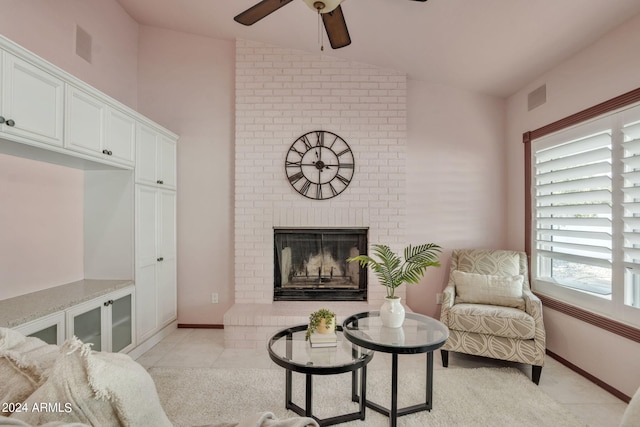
x,y
288,348
418,334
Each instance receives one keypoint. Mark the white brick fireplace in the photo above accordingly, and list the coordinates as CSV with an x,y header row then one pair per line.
x,y
280,95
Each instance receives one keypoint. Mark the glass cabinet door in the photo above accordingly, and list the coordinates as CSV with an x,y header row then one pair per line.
x,y
50,328
48,335
121,323
87,327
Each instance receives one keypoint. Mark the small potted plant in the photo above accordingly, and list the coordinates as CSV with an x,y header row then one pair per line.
x,y
393,272
322,321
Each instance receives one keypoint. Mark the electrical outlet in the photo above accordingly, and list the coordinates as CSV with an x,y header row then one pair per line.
x,y
214,298
439,298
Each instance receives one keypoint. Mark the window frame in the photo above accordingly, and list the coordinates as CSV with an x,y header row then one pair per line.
x,y
611,315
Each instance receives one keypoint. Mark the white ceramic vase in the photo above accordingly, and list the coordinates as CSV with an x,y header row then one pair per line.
x,y
392,312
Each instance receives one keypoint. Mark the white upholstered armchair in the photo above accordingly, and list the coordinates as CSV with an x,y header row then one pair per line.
x,y
490,310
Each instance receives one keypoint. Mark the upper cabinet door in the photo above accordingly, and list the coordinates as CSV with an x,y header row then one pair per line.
x,y
32,101
120,138
85,122
167,161
146,155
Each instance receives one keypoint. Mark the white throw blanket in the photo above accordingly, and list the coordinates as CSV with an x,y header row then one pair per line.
x,y
96,388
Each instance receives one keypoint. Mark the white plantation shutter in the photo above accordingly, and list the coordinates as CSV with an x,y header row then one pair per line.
x,y
573,198
631,190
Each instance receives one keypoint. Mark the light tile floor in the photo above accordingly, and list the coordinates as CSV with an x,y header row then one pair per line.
x,y
205,348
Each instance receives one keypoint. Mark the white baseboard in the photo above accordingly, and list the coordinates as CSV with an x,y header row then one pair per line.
x,y
153,340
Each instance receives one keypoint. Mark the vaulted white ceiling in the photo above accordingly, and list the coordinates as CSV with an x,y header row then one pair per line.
x,y
488,46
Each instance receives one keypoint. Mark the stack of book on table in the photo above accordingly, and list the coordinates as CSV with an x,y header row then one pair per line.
x,y
323,340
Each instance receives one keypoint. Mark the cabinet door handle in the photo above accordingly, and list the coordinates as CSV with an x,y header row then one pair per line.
x,y
107,152
11,123
108,303
2,120
160,181
161,259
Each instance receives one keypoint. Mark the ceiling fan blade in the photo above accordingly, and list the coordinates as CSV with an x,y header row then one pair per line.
x,y
336,28
259,11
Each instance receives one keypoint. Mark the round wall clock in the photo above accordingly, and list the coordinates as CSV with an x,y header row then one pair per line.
x,y
319,165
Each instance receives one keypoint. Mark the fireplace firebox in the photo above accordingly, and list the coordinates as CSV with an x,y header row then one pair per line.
x,y
311,264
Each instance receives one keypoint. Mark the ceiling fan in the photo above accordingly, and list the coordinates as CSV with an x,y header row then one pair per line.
x,y
330,10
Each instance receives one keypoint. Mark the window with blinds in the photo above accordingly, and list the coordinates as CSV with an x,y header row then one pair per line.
x,y
586,207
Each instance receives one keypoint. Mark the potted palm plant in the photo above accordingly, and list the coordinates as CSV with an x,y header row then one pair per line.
x,y
392,272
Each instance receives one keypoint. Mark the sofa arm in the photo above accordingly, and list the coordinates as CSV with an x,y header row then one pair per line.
x,y
533,305
448,298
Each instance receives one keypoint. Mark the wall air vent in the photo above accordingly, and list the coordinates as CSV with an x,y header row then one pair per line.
x,y
83,44
537,97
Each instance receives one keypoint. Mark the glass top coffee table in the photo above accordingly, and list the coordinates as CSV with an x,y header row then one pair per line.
x,y
418,334
288,348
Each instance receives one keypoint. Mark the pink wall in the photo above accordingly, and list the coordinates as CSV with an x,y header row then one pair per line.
x,y
186,83
48,29
41,223
606,69
455,178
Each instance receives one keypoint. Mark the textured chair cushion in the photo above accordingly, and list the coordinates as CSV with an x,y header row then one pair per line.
x,y
505,322
486,261
490,289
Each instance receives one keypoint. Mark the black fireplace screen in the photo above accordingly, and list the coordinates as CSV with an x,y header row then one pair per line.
x,y
311,264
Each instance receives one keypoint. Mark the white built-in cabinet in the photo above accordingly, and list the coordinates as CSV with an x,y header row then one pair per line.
x,y
32,102
95,128
106,322
156,262
129,166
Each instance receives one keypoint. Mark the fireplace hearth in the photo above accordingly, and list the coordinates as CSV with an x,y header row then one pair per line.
x,y
311,264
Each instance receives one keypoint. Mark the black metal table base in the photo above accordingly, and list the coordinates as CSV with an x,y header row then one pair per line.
x,y
308,410
396,412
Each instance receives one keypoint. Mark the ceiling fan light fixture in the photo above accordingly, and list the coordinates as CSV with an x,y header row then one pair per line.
x,y
324,6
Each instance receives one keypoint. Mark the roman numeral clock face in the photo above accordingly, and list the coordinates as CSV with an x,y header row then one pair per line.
x,y
319,165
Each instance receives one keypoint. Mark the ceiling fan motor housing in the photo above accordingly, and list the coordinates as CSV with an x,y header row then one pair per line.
x,y
324,6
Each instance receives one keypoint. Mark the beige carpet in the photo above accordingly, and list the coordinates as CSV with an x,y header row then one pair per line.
x,y
493,397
